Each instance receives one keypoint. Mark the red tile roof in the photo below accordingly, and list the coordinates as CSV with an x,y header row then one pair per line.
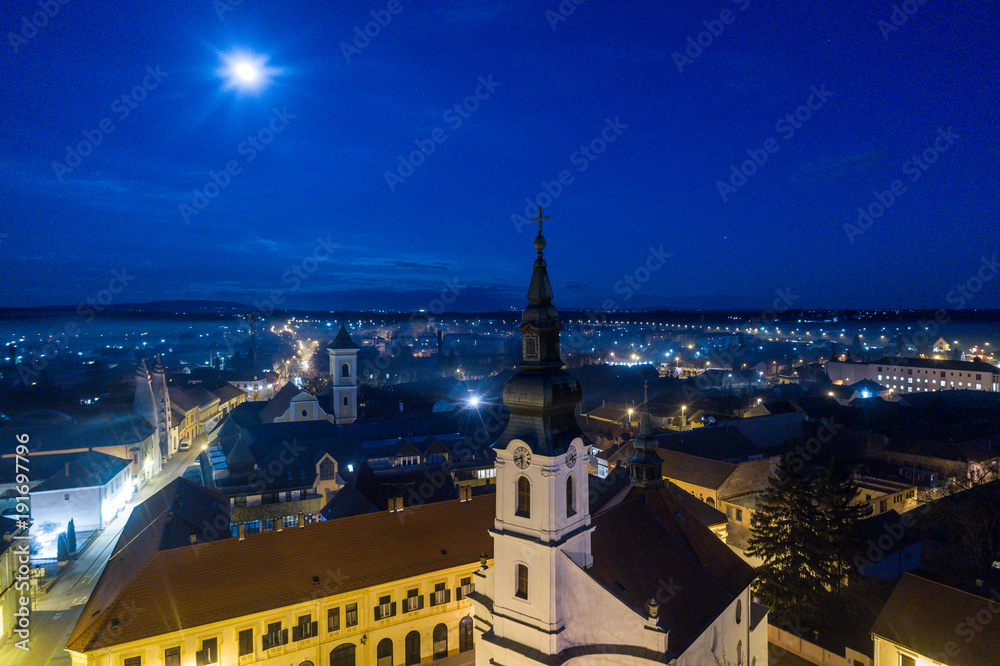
x,y
939,622
651,546
187,587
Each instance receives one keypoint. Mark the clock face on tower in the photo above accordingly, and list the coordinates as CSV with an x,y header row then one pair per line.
x,y
571,457
522,457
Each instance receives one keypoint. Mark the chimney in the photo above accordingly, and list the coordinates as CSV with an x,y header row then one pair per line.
x,y
302,519
464,493
194,538
243,532
395,504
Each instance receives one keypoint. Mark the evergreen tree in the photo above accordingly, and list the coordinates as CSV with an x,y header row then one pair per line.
x,y
787,537
836,493
71,537
62,556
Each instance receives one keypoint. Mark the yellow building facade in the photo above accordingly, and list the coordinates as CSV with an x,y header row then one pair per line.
x,y
360,590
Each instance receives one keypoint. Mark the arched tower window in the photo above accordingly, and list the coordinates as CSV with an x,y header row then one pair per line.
x,y
345,370
523,497
522,581
570,496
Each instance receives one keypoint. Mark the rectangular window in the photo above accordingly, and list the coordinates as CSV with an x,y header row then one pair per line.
x,y
465,587
333,619
907,660
386,607
414,601
246,642
132,661
351,615
305,628
441,595
172,657
274,637
209,652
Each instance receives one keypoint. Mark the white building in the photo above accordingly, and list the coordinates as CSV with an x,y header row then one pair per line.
x,y
918,375
90,490
641,582
343,378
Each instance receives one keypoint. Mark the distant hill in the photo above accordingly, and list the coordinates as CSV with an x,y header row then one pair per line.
x,y
183,307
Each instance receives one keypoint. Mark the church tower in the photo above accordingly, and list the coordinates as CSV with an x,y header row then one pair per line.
x,y
161,400
646,465
343,377
542,518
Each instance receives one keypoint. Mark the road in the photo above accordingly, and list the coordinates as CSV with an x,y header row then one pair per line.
x,y
55,612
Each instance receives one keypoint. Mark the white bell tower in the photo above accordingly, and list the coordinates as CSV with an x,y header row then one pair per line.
x,y
542,513
343,377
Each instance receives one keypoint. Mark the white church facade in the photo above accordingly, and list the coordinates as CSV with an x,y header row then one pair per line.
x,y
641,582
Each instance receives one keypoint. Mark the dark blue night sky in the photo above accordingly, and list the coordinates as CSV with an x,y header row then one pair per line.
x,y
605,78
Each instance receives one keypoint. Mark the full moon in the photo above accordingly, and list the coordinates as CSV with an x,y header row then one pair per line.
x,y
246,72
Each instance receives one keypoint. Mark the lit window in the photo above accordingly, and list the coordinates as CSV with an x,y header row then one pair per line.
x,y
523,497
522,582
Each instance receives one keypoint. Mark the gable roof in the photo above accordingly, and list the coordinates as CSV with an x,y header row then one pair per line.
x,y
718,442
279,404
228,392
924,616
169,517
207,583
92,468
749,477
695,470
651,544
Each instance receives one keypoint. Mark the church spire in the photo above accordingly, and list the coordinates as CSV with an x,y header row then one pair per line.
x,y
542,397
540,322
646,465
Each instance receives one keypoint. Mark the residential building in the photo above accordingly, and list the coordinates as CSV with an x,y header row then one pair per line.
x,y
910,375
925,622
91,490
336,597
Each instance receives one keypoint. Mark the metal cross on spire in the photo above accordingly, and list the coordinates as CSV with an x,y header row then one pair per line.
x,y
539,220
